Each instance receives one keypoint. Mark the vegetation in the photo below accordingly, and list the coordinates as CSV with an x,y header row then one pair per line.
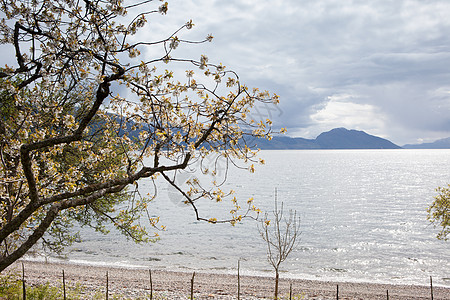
x,y
11,289
72,149
281,239
439,212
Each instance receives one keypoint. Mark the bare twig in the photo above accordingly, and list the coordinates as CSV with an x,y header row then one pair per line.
x,y
281,239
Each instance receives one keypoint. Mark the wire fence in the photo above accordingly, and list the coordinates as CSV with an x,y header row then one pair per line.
x,y
151,293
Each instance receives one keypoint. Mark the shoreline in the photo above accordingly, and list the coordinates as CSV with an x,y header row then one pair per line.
x,y
134,283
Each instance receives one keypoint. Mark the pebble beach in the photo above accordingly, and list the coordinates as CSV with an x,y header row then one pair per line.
x,y
135,284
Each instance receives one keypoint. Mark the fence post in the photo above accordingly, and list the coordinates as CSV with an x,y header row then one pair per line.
x,y
64,285
107,285
192,286
151,284
290,291
431,287
337,291
239,281
387,294
24,290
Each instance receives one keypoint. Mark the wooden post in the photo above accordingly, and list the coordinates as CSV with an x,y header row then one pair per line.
x,y
239,282
387,294
24,290
431,286
192,286
290,291
337,291
107,285
151,285
64,285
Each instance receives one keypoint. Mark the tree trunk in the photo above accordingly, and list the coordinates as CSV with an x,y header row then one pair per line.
x,y
277,276
32,239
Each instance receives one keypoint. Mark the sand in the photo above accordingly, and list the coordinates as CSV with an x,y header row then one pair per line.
x,y
134,283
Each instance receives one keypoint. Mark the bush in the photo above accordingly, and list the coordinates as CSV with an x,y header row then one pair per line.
x,y
11,288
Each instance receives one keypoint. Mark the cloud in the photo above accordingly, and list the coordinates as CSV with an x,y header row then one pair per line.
x,y
342,111
394,56
390,57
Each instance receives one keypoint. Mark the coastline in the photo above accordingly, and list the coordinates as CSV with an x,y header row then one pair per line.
x,y
134,283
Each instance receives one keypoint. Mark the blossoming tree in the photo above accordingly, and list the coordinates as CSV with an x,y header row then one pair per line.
x,y
73,149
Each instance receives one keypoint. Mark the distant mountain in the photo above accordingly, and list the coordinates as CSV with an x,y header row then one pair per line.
x,y
285,142
338,138
439,144
341,138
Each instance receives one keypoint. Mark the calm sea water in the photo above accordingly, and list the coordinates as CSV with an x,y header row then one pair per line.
x,y
363,218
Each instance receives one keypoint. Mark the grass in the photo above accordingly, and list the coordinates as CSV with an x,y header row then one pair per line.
x,y
11,289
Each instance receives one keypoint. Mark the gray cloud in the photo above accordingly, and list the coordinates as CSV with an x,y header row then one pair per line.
x,y
379,66
390,58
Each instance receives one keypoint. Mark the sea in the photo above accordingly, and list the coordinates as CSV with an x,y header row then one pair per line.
x,y
363,218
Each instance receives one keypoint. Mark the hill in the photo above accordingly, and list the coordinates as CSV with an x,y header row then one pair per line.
x,y
338,138
341,138
285,142
439,144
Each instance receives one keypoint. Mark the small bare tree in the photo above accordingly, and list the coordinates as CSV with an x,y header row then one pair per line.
x,y
281,237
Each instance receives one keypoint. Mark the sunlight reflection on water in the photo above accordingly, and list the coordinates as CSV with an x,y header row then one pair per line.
x,y
363,218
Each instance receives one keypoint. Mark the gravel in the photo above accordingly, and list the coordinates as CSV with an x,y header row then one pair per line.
x,y
135,283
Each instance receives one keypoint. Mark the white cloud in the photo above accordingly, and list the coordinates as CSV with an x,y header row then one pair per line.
x,y
342,111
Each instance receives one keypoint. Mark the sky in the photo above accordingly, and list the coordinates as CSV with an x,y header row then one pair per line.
x,y
380,66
